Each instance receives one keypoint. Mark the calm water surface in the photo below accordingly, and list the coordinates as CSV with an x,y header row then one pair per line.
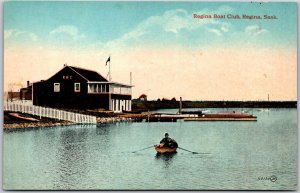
x,y
241,155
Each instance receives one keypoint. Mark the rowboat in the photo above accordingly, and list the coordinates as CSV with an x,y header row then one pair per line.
x,y
22,117
165,150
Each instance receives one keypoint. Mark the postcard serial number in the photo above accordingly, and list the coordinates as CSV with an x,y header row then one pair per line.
x,y
232,16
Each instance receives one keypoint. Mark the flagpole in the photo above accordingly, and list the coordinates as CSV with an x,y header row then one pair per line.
x,y
109,70
109,77
109,87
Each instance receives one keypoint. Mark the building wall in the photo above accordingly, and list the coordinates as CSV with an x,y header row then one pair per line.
x,y
11,96
26,94
44,95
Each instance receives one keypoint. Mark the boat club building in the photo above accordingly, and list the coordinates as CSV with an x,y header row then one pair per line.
x,y
78,88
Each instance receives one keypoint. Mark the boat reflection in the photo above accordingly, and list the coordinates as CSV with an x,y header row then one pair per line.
x,y
165,156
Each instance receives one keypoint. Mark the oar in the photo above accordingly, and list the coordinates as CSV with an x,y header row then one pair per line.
x,y
192,151
143,148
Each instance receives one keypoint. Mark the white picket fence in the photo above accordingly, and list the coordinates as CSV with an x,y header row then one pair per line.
x,y
49,113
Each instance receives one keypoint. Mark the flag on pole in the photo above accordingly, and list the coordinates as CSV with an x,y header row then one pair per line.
x,y
108,60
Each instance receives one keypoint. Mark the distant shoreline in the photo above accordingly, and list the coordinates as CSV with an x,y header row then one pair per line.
x,y
154,105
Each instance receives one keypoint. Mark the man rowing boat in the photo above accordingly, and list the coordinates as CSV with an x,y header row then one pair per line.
x,y
168,142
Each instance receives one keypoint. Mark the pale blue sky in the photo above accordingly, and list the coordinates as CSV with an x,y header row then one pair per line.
x,y
87,23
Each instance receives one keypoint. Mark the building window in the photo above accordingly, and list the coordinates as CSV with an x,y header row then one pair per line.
x,y
76,87
56,87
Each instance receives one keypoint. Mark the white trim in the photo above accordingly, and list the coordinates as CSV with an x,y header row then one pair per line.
x,y
77,73
99,82
54,88
112,83
117,105
76,90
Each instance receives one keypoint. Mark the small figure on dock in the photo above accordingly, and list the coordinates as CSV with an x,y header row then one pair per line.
x,y
168,142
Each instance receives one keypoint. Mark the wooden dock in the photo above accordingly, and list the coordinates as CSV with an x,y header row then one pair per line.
x,y
161,117
221,119
166,117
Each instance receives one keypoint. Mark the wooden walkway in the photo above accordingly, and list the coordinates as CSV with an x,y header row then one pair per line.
x,y
221,119
49,112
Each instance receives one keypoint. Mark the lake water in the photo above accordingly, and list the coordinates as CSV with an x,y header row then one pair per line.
x,y
240,155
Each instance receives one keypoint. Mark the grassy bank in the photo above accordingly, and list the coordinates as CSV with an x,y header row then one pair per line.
x,y
12,123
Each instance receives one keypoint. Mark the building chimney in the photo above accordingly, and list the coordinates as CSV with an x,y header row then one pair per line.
x,y
28,83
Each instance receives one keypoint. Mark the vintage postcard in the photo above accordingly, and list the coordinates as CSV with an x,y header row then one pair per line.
x,y
137,95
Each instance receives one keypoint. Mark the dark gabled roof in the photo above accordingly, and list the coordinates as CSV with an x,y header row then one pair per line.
x,y
89,75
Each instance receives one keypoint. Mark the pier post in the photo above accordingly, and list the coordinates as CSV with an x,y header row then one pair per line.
x,y
180,105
